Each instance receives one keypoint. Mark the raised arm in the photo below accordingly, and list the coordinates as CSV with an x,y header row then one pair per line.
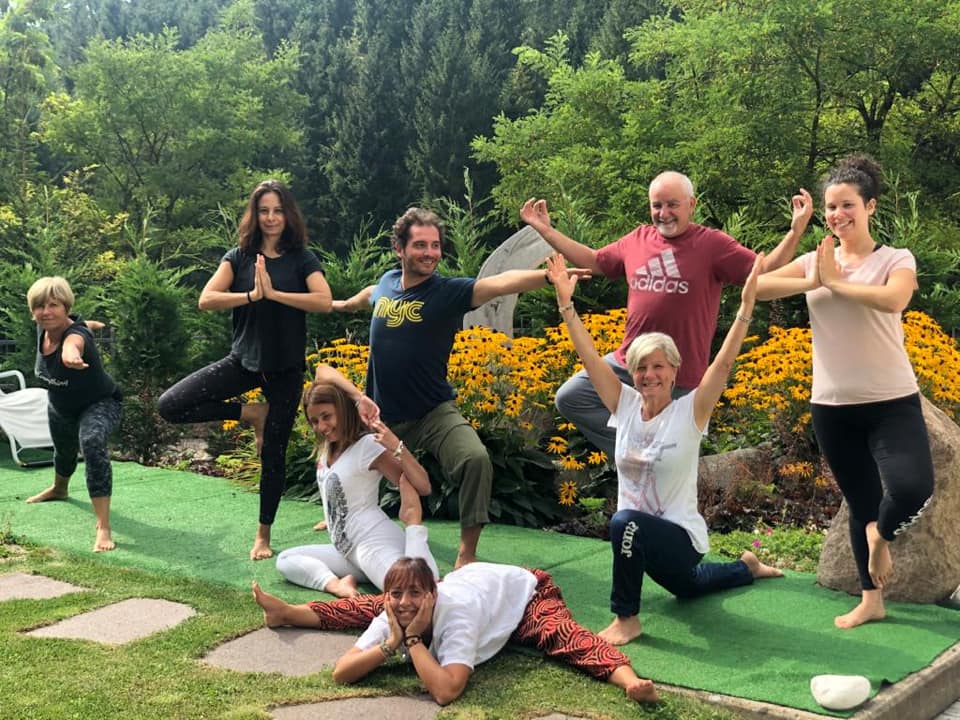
x,y
534,213
715,378
783,253
515,281
891,297
604,380
71,354
786,281
369,412
355,303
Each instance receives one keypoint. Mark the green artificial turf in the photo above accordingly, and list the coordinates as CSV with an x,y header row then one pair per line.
x,y
763,642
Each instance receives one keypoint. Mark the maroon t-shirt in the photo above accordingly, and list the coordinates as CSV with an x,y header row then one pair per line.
x,y
674,287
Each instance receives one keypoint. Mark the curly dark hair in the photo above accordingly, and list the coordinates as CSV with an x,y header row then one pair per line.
x,y
859,170
415,216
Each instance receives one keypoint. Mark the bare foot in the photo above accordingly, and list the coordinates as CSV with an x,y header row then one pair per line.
x,y
320,526
256,415
51,493
758,569
870,609
261,544
104,542
274,609
880,564
411,511
345,587
622,630
642,691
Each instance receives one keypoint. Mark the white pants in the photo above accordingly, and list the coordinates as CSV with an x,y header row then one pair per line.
x,y
313,566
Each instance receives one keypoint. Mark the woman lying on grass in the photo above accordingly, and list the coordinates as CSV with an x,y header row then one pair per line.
x,y
445,630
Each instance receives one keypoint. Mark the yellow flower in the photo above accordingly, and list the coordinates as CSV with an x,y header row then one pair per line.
x,y
229,424
598,457
568,462
557,445
568,492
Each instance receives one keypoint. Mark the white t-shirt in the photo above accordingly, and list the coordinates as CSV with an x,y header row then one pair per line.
x,y
657,462
350,492
478,608
858,352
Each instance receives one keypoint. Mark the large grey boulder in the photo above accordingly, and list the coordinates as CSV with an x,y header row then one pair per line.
x,y
524,250
926,558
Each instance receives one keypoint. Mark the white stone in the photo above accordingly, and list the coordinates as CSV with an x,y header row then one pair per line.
x,y
840,692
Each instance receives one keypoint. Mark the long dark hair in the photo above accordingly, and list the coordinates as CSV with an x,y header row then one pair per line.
x,y
350,427
294,235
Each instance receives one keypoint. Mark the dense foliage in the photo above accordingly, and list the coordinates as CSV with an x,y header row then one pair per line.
x,y
132,132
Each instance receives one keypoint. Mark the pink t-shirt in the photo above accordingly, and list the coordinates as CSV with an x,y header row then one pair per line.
x,y
858,352
673,287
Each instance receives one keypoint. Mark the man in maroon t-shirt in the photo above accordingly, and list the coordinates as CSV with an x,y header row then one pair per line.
x,y
675,270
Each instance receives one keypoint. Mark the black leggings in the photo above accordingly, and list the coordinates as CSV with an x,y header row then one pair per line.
x,y
879,454
202,397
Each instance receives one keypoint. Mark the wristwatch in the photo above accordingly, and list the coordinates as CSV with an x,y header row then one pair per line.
x,y
412,640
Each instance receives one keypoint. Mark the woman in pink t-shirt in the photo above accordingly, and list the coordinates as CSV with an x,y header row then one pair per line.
x,y
865,401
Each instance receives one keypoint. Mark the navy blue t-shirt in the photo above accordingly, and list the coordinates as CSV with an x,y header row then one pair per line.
x,y
411,336
269,336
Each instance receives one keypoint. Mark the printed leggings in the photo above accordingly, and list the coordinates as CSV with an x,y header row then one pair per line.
x,y
879,454
547,625
202,396
86,433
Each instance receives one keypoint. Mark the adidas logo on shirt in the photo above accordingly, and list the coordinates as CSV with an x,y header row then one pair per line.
x,y
660,275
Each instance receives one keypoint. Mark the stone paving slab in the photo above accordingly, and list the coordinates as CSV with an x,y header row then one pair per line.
x,y
22,586
396,708
288,651
120,622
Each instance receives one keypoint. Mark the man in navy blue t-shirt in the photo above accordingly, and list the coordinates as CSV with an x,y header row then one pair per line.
x,y
416,315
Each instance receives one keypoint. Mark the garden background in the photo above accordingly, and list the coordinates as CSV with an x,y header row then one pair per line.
x,y
132,132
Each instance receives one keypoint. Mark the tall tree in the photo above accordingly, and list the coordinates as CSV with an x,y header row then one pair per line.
x,y
178,132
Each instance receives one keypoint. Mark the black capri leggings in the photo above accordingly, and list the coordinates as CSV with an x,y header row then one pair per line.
x,y
202,396
879,454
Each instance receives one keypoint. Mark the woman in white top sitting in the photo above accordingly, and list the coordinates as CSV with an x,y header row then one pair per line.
x,y
351,463
865,402
657,530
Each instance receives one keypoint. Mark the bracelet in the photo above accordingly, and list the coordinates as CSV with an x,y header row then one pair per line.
x,y
398,450
568,306
546,276
249,300
412,640
388,652
744,320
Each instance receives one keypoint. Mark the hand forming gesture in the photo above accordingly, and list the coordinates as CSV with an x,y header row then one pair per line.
x,y
748,295
384,435
802,211
424,618
827,266
369,412
262,284
534,213
564,281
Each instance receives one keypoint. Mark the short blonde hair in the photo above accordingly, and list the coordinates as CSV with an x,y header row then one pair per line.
x,y
45,288
647,343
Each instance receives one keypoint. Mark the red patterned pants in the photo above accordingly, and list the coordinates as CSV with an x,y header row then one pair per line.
x,y
547,625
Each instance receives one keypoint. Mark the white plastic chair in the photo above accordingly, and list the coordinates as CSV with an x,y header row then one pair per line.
x,y
23,419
